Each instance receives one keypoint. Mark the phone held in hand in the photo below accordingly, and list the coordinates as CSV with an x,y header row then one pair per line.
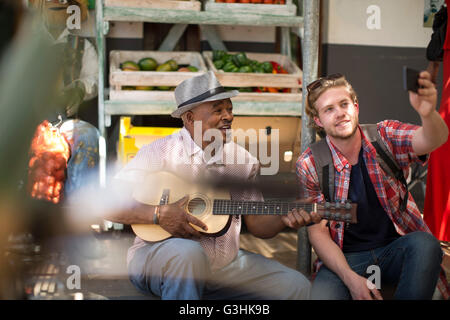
x,y
410,77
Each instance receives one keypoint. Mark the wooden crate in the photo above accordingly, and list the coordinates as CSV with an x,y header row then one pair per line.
x,y
288,9
118,78
291,80
156,4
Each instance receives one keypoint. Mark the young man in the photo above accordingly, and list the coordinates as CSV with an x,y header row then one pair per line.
x,y
191,265
396,241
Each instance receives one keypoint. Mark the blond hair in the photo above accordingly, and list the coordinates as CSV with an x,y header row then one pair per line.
x,y
314,94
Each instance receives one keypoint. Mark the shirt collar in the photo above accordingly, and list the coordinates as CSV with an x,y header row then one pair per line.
x,y
340,161
192,149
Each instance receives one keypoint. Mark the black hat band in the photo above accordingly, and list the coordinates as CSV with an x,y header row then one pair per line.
x,y
203,96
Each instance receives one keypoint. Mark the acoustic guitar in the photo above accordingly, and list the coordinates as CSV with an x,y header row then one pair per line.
x,y
215,207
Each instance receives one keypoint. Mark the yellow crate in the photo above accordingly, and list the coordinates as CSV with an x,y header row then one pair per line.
x,y
132,138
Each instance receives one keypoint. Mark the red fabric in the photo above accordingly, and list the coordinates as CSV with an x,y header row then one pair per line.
x,y
437,198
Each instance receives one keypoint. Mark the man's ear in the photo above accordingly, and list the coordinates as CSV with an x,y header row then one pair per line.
x,y
188,118
318,122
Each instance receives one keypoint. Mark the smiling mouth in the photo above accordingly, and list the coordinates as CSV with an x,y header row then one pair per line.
x,y
342,123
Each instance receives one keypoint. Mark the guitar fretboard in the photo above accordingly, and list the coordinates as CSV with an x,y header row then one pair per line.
x,y
231,207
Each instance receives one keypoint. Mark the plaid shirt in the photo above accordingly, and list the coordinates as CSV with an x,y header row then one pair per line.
x,y
398,138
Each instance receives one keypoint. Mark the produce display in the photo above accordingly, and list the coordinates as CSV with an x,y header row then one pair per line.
x,y
150,64
239,62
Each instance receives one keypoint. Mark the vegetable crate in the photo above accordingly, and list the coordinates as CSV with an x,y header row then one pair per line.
x,y
156,4
150,85
287,9
290,81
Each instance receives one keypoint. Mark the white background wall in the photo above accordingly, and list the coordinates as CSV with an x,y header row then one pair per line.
x,y
401,22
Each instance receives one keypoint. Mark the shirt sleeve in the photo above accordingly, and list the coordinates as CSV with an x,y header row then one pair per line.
x,y
398,137
307,178
89,70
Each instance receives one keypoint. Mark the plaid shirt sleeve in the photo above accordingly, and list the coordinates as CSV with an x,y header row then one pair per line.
x,y
307,177
398,137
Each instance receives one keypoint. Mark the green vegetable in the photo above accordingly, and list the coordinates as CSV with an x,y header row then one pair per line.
x,y
240,59
245,89
219,64
193,69
230,67
259,69
218,54
267,67
245,69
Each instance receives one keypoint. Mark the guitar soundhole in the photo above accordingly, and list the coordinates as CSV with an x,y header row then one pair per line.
x,y
196,206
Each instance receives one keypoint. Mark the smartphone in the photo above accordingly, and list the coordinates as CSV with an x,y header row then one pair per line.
x,y
410,77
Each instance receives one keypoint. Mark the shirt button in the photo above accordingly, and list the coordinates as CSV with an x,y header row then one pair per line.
x,y
347,165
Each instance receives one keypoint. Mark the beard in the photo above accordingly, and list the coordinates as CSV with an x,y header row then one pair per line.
x,y
345,134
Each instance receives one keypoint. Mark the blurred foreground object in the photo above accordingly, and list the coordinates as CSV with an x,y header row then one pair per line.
x,y
28,77
49,155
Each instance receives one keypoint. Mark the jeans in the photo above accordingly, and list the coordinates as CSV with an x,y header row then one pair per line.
x,y
178,269
410,264
83,139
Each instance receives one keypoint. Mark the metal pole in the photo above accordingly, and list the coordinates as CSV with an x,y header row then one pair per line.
x,y
100,28
310,47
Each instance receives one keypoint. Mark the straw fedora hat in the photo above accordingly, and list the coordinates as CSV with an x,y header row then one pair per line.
x,y
197,90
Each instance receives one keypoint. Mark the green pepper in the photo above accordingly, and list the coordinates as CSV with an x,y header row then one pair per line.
x,y
218,54
246,69
267,67
245,89
230,67
227,57
219,64
240,59
259,69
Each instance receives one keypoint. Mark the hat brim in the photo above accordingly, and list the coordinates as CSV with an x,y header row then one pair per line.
x,y
221,96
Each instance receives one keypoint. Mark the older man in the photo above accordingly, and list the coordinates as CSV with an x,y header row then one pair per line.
x,y
191,264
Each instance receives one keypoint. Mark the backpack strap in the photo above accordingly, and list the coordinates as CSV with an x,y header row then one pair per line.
x,y
385,158
324,167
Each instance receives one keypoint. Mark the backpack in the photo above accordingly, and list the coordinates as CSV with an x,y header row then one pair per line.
x,y
325,167
435,48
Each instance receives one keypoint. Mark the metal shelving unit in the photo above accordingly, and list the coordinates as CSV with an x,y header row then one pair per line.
x,y
181,18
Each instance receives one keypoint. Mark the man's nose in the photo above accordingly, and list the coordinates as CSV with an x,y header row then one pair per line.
x,y
227,116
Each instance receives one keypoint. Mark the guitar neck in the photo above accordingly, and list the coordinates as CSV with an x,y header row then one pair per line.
x,y
230,207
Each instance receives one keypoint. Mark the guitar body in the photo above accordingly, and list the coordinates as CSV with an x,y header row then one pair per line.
x,y
200,203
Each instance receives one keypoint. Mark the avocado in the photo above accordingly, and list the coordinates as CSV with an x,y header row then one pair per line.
x,y
164,67
173,64
129,66
147,64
